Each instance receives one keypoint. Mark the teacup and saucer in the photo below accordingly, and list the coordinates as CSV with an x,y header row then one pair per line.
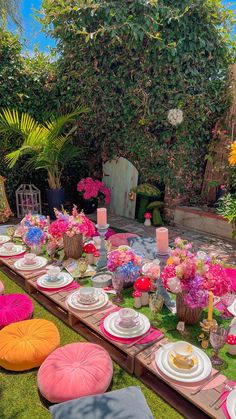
x,y
9,247
30,259
54,274
128,318
87,295
182,356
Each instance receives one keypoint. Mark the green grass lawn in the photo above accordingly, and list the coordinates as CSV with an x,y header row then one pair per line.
x,y
19,397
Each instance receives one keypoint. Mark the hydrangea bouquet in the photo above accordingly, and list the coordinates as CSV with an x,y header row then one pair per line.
x,y
126,263
193,275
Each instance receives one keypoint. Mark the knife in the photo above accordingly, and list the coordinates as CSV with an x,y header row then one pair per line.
x,y
211,378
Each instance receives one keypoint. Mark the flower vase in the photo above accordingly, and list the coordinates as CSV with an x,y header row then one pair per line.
x,y
73,246
37,249
187,314
118,285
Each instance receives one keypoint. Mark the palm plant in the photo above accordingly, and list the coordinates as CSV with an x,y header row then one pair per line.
x,y
46,146
9,9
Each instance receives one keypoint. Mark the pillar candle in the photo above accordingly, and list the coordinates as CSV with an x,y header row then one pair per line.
x,y
210,306
162,239
102,217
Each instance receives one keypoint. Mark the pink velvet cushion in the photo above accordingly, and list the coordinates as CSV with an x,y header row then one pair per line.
x,y
75,370
120,239
1,288
14,308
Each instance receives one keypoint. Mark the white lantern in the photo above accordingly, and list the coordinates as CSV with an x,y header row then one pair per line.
x,y
28,199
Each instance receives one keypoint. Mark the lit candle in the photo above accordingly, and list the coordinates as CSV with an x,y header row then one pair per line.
x,y
162,239
102,217
210,306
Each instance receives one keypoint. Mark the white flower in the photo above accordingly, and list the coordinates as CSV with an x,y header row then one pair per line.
x,y
175,116
174,285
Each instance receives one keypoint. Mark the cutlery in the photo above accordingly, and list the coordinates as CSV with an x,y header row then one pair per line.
x,y
148,333
211,378
226,387
225,397
154,352
155,347
99,322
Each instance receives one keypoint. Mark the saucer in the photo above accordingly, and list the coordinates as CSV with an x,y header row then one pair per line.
x,y
4,239
181,367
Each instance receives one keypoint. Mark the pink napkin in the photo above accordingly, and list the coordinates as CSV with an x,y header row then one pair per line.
x,y
13,257
74,285
223,407
154,334
231,273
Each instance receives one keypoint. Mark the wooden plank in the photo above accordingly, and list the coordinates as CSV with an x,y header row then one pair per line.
x,y
179,397
120,176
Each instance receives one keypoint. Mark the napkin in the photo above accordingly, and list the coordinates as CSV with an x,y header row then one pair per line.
x,y
14,257
223,407
74,285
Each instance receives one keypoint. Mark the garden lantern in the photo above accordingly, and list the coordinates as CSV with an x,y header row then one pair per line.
x,y
28,199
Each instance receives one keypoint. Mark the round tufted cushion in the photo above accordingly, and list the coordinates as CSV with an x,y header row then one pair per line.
x,y
25,345
14,308
120,239
1,288
75,370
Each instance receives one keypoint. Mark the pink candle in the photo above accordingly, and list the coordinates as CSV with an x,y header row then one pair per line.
x,y
162,239
101,217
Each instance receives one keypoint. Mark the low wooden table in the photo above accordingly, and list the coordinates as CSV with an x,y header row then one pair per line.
x,y
134,359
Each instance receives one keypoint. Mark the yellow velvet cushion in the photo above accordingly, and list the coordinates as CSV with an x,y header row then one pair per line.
x,y
25,345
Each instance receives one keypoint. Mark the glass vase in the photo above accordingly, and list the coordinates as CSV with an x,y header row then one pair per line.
x,y
118,285
37,249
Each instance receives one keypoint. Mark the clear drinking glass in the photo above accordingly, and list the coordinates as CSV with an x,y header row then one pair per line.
x,y
218,338
118,284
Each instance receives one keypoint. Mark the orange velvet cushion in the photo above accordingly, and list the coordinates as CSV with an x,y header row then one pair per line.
x,y
25,345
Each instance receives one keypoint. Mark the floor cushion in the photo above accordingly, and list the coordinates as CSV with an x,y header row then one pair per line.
x,y
127,403
75,370
14,308
1,288
25,345
120,239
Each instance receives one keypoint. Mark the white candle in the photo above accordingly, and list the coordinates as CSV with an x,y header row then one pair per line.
x,y
162,239
102,217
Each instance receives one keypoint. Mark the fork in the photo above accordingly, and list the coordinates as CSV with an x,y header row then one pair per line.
x,y
226,387
229,388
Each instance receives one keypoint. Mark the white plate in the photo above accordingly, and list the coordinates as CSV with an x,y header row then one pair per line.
x,y
74,303
4,239
162,364
66,280
109,326
18,249
231,404
40,263
187,373
232,308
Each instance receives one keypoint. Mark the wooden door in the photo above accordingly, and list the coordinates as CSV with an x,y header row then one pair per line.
x,y
121,176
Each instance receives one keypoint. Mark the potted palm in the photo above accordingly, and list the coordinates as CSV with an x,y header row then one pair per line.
x,y
46,145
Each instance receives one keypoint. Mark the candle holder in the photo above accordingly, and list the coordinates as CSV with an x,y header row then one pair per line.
x,y
169,303
102,261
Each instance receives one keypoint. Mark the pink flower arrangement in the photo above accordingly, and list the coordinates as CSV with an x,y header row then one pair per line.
x,y
94,189
193,274
118,258
76,223
34,220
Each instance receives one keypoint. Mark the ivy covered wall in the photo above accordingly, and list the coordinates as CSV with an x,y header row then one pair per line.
x,y
133,61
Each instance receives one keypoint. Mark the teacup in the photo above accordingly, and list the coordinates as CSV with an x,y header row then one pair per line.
x,y
8,246
53,273
30,258
183,352
128,317
87,295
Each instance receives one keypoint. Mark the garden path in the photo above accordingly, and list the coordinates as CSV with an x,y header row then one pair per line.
x,y
225,250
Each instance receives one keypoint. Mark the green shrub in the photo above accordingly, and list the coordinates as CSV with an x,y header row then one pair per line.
x,y
133,61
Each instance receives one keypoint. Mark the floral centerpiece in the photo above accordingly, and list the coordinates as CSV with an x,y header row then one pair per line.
x,y
31,220
35,237
93,191
126,265
191,276
71,228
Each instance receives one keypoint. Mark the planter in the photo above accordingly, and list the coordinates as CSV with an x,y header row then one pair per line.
x,y
187,314
55,198
88,206
73,246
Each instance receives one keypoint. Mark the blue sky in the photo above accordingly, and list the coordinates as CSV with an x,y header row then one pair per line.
x,y
32,32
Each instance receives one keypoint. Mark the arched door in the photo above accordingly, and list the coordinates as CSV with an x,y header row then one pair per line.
x,y
121,176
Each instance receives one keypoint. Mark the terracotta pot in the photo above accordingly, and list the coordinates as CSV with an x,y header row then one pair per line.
x,y
185,313
73,246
